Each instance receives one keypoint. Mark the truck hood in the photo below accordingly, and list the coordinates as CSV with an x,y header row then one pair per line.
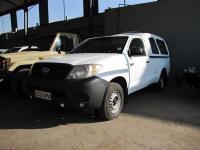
x,y
21,56
15,55
81,58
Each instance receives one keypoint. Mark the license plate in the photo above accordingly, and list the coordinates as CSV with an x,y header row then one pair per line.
x,y
43,95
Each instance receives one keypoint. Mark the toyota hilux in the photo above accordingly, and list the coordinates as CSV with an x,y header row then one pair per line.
x,y
101,72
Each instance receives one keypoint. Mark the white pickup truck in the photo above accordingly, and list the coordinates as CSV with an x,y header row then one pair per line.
x,y
101,72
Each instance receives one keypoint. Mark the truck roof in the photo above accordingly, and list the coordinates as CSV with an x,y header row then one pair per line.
x,y
133,33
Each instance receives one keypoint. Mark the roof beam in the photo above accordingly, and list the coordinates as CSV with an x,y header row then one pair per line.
x,y
8,1
19,7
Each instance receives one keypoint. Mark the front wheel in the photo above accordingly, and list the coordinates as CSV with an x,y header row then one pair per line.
x,y
113,102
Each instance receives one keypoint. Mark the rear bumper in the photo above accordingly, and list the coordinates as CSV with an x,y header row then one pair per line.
x,y
72,93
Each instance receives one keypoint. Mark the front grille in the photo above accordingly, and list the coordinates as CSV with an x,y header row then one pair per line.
x,y
55,71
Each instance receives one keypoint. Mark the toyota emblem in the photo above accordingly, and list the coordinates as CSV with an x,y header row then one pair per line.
x,y
45,70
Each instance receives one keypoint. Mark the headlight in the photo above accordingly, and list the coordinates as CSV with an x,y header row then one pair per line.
x,y
83,71
4,62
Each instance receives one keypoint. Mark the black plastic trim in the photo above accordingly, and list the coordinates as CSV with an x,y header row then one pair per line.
x,y
159,56
91,91
5,74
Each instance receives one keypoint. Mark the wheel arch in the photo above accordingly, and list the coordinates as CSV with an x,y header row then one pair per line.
x,y
164,72
123,83
22,67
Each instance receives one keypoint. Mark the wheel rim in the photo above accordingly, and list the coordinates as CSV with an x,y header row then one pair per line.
x,y
162,84
115,102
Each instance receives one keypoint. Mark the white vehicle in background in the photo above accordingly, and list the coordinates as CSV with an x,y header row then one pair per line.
x,y
20,49
3,50
101,72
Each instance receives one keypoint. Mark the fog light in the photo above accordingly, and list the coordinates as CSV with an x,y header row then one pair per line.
x,y
31,97
62,105
1,80
82,105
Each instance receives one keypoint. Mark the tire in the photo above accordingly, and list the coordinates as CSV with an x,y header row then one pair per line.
x,y
19,85
113,102
161,83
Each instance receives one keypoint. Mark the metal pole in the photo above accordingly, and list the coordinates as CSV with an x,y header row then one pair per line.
x,y
26,25
91,17
2,24
64,9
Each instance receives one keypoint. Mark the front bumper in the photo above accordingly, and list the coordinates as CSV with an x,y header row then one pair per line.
x,y
72,93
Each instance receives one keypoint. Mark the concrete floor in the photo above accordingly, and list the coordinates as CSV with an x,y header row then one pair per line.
x,y
159,121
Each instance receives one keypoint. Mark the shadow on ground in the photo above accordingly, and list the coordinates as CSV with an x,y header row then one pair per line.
x,y
175,104
16,113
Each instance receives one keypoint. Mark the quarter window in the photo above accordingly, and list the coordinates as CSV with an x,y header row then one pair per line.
x,y
162,47
154,47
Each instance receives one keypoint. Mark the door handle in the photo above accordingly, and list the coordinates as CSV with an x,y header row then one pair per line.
x,y
131,64
147,61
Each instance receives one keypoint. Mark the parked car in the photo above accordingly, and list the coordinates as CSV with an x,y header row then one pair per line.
x,y
101,72
21,49
14,66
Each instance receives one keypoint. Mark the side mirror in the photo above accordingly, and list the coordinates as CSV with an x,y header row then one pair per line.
x,y
136,51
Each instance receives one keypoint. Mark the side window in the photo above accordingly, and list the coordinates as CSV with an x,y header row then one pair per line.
x,y
162,47
137,48
68,43
64,43
154,47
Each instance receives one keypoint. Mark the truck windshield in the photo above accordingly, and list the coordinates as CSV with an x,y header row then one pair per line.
x,y
102,45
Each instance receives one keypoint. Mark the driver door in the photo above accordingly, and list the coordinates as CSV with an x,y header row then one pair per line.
x,y
139,64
